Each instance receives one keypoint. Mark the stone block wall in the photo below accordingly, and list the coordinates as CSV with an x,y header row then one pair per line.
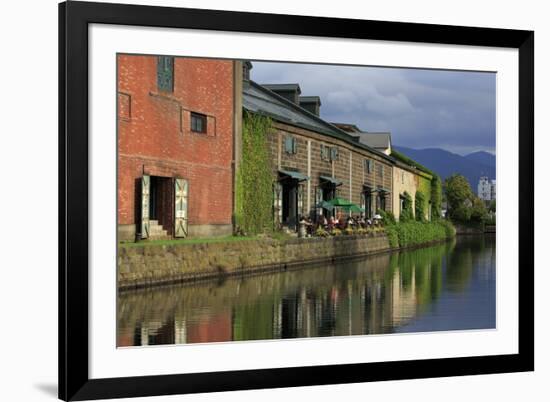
x,y
145,265
349,167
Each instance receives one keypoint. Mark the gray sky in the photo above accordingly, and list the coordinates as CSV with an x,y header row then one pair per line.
x,y
421,108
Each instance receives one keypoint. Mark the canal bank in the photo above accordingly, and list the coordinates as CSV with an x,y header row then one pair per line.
x,y
446,286
150,265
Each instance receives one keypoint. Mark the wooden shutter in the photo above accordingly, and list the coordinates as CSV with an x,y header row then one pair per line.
x,y
181,188
277,204
145,189
290,145
369,166
300,200
333,153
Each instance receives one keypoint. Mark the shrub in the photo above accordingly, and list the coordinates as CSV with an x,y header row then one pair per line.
x,y
491,219
348,231
362,231
388,218
393,237
321,232
336,232
479,212
449,228
413,232
461,213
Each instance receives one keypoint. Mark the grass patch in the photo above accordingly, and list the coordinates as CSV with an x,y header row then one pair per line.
x,y
198,240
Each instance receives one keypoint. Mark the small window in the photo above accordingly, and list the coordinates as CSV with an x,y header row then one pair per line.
x,y
198,123
165,73
380,171
291,146
333,153
368,166
324,152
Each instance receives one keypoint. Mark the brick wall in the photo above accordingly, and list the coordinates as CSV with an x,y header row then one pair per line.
x,y
155,137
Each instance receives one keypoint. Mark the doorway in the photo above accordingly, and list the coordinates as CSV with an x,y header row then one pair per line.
x,y
290,204
157,205
329,192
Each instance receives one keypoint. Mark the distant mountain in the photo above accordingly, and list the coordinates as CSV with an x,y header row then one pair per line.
x,y
485,158
446,163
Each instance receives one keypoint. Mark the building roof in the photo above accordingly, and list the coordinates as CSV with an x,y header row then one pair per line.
x,y
310,99
283,87
259,99
376,140
350,128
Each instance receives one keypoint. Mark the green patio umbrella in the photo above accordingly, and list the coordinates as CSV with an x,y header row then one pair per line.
x,y
345,205
355,208
340,202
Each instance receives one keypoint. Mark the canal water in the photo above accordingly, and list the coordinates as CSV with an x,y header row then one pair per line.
x,y
448,286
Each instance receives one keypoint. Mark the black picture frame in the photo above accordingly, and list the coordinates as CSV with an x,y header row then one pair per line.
x,y
74,18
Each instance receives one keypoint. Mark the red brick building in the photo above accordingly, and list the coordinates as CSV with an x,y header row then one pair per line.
x,y
177,134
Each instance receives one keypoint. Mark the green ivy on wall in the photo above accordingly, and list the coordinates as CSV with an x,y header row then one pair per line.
x,y
420,206
422,197
253,187
436,197
431,188
407,213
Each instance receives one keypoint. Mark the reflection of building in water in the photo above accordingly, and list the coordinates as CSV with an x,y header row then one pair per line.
x,y
154,333
370,296
213,328
404,301
180,329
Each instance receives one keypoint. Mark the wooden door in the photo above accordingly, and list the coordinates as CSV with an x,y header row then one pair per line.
x,y
181,190
145,200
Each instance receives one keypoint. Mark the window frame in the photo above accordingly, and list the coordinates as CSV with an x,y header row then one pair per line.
x,y
165,78
203,118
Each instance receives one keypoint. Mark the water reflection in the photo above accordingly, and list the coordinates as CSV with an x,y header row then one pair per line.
x,y
443,287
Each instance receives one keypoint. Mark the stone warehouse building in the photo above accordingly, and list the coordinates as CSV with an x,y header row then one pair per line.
x,y
178,127
313,160
406,178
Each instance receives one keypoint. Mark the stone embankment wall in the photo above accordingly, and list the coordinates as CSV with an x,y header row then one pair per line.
x,y
148,265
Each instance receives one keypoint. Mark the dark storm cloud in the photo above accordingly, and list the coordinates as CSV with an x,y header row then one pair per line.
x,y
422,108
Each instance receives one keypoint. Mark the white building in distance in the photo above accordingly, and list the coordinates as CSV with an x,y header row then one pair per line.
x,y
486,189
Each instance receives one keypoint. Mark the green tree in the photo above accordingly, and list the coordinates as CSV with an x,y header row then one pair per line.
x,y
478,210
457,191
459,197
462,213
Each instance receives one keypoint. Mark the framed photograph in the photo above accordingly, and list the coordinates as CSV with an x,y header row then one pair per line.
x,y
258,201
